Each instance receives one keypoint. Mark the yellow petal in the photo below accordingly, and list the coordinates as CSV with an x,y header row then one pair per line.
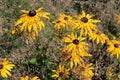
x,y
25,11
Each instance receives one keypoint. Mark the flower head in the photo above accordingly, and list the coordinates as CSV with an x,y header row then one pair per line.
x,y
86,24
114,47
76,44
5,68
31,21
98,37
84,71
27,78
61,73
64,21
59,23
66,18
74,59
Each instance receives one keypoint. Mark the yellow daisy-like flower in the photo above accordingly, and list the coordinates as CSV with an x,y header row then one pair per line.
x,y
27,78
84,71
68,21
76,44
118,19
109,72
114,47
31,21
64,21
5,68
74,59
98,37
59,23
86,24
61,73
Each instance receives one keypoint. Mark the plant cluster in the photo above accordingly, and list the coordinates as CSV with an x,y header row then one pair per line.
x,y
78,55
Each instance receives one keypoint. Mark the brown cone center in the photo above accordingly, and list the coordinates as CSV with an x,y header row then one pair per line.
x,y
65,18
84,19
1,66
58,21
61,74
116,45
76,42
82,69
32,13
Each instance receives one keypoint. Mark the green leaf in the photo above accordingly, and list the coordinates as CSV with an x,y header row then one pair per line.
x,y
1,78
33,61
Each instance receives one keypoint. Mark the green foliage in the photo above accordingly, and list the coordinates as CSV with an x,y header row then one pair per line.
x,y
11,11
113,30
77,6
1,78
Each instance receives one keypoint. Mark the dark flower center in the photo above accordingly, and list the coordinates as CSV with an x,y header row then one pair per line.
x,y
98,33
116,45
58,21
1,66
82,69
32,13
95,77
61,74
65,18
84,19
75,42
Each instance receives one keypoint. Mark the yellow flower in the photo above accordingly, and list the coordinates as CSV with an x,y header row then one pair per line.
x,y
59,23
27,78
64,21
76,44
61,73
98,37
84,71
118,19
31,21
86,24
109,72
74,59
114,47
5,68
68,21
